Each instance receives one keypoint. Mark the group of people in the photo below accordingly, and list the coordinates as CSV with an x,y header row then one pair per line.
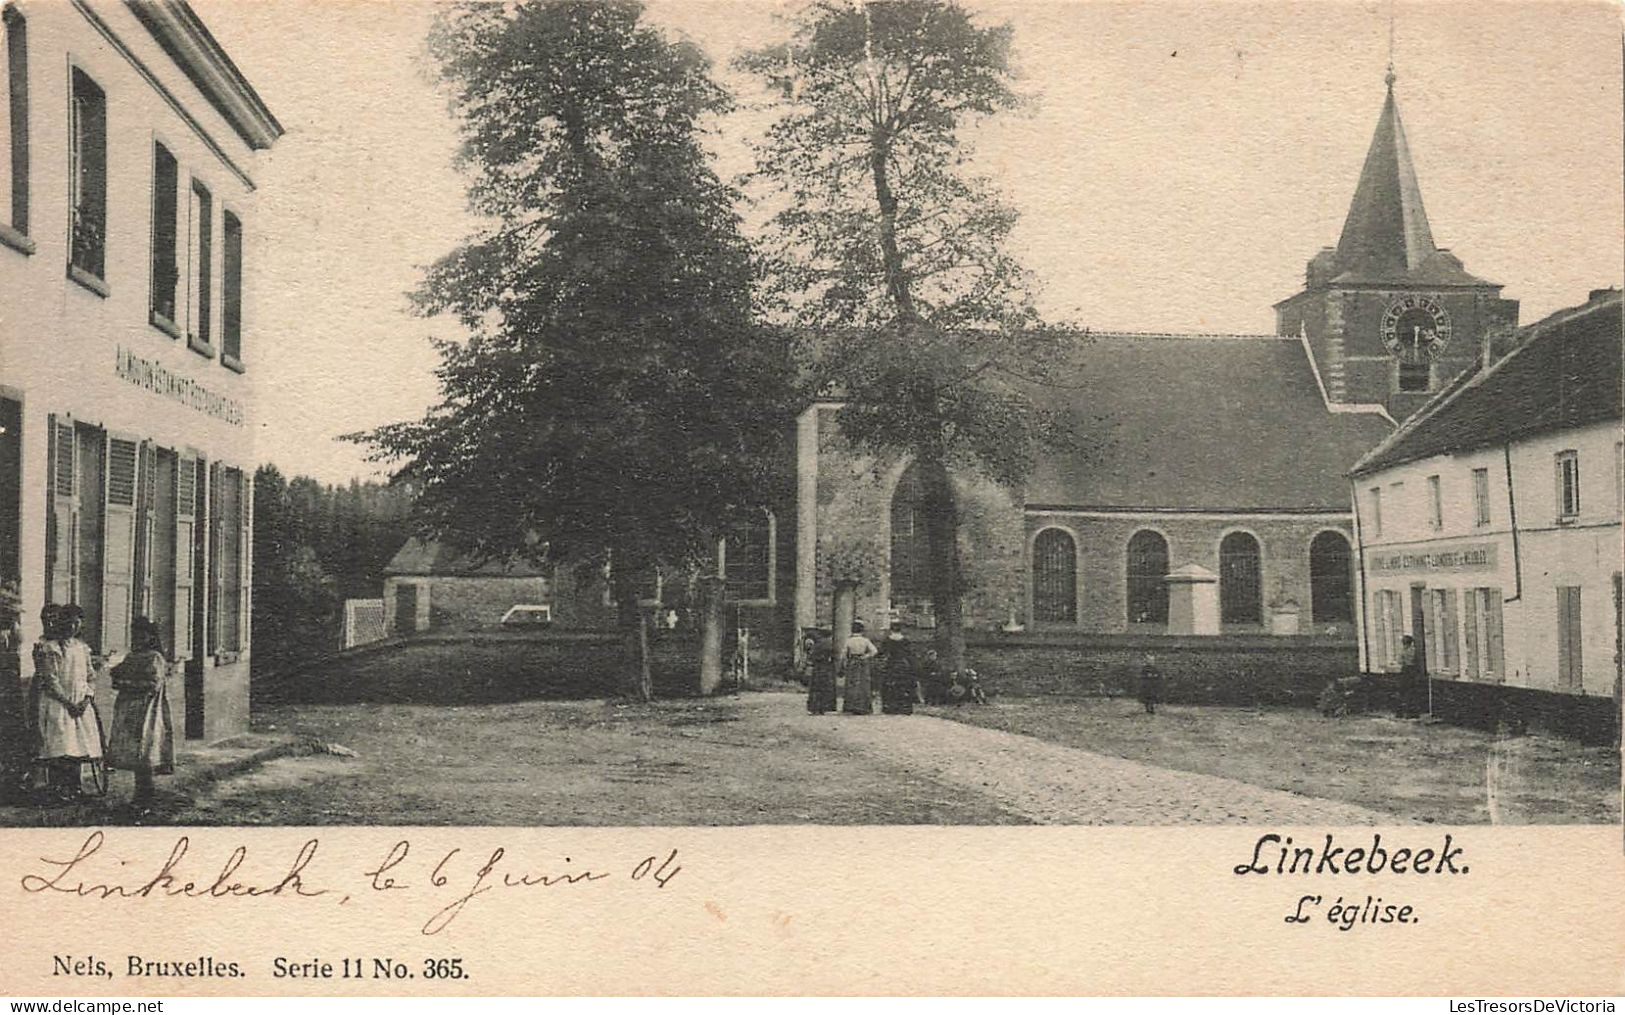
x,y
904,677
52,728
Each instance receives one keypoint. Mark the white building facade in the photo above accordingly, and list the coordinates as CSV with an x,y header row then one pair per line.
x,y
1490,530
128,330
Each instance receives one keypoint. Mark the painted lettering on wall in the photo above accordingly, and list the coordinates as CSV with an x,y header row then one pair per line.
x,y
1478,557
160,380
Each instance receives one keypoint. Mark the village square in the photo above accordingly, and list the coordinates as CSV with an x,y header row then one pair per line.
x,y
609,414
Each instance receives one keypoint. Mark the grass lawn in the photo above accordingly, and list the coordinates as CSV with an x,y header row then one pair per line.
x,y
1417,772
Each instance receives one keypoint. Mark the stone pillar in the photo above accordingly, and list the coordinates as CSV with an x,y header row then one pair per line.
x,y
806,614
1193,600
846,601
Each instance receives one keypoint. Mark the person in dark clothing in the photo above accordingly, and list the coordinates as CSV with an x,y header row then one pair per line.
x,y
933,682
16,728
820,649
1412,680
1150,684
900,680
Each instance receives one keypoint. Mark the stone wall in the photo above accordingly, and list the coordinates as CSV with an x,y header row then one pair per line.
x,y
1227,670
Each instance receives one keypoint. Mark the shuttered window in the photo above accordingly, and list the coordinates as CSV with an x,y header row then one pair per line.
x,y
15,163
200,270
231,294
228,570
1481,497
62,522
165,228
187,492
119,543
88,176
1570,657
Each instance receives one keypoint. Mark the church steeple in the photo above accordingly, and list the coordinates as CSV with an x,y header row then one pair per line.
x,y
1386,234
1388,315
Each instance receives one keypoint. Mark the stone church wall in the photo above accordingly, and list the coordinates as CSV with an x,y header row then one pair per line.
x,y
1103,544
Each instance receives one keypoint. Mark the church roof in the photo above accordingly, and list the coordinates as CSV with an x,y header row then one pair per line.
x,y
423,557
1201,423
1564,373
1386,236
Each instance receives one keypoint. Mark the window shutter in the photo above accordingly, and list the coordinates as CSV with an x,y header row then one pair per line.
x,y
1496,664
1379,641
145,498
245,554
1452,646
186,494
118,541
1430,628
1470,634
217,532
62,515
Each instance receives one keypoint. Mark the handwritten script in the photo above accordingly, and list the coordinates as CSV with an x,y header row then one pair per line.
x,y
452,878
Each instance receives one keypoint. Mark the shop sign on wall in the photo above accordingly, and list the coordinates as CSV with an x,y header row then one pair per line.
x,y
161,380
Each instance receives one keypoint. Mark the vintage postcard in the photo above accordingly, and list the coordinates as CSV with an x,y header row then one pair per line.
x,y
828,497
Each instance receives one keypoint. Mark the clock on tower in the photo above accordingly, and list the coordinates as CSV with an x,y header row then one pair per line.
x,y
1416,329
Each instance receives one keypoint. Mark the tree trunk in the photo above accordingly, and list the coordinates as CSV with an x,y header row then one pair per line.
x,y
942,542
635,637
891,258
710,634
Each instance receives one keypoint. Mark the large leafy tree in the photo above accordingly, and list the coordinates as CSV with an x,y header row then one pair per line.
x,y
886,241
614,405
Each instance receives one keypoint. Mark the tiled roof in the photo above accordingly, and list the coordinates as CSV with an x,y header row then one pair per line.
x,y
1564,373
429,557
1201,423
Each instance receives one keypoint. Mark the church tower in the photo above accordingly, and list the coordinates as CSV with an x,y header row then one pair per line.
x,y
1389,316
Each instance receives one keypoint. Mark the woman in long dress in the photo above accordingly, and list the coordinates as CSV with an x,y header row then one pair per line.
x,y
900,682
142,739
820,652
68,735
856,665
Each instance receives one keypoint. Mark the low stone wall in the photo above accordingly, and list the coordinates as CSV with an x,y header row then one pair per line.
x,y
1223,670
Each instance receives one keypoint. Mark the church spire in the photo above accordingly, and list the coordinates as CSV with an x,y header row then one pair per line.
x,y
1386,233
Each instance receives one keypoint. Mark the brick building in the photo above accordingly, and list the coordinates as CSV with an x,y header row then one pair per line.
x,y
1224,457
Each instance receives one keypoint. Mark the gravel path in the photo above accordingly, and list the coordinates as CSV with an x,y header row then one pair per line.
x,y
1052,784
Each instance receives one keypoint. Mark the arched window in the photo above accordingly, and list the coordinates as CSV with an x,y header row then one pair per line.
x,y
1240,590
1147,568
747,559
1329,579
1055,577
910,553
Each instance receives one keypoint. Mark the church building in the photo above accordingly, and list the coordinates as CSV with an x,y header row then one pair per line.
x,y
1220,481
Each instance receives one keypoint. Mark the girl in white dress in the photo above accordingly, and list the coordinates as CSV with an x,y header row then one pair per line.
x,y
68,734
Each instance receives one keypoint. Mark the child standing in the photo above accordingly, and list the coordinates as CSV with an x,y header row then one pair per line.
x,y
68,734
143,739
1150,684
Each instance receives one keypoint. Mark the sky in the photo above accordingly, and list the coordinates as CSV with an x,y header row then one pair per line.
x,y
1177,166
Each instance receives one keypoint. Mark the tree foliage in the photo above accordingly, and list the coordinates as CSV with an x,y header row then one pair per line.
x,y
614,398
886,240
314,547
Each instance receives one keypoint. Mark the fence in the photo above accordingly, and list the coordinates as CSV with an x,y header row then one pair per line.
x,y
363,621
